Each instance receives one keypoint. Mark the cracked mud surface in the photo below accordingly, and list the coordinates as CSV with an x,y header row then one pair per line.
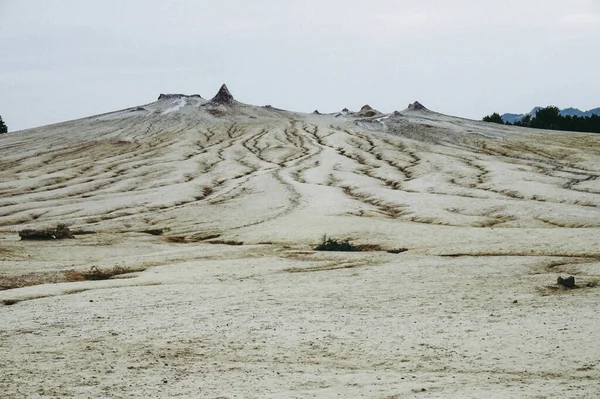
x,y
491,216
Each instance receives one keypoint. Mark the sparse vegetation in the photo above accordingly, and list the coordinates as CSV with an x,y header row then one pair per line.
x,y
61,231
226,242
203,237
368,247
100,274
176,239
493,118
334,244
3,127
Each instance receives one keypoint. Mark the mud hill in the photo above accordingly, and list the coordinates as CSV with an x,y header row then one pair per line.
x,y
213,208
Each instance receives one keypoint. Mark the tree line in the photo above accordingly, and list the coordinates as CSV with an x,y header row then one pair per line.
x,y
549,118
3,127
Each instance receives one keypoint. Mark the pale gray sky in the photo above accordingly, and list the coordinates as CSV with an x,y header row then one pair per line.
x,y
67,59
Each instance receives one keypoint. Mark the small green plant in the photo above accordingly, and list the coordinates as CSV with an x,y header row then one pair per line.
x,y
3,127
334,244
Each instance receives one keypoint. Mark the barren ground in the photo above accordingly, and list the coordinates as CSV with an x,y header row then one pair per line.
x,y
229,299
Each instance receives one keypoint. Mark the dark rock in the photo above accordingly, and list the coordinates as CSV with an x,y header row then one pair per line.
x,y
396,250
316,112
196,95
268,106
223,96
568,282
154,232
345,110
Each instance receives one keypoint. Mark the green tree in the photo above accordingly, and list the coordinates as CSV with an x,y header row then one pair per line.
x,y
3,128
525,121
548,118
494,118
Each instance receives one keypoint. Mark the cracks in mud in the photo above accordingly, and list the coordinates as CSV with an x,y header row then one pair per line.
x,y
216,164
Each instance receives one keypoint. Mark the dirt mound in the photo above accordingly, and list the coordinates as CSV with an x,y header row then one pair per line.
x,y
170,96
417,106
223,96
367,111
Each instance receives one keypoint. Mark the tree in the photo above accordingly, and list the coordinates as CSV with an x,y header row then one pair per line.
x,y
494,118
525,121
547,118
3,128
550,118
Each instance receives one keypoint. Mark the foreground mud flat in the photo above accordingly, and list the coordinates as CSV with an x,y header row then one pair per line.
x,y
208,213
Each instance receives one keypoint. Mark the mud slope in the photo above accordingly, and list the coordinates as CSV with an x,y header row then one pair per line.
x,y
490,215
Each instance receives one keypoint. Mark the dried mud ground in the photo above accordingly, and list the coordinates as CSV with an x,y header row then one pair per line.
x,y
229,300
210,320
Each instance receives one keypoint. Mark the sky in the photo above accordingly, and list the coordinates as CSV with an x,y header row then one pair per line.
x,y
62,60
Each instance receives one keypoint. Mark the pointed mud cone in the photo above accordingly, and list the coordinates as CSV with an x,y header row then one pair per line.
x,y
367,111
223,96
417,106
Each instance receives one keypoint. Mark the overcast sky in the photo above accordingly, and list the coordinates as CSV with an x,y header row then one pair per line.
x,y
67,59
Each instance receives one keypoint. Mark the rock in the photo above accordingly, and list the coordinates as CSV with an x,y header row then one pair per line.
x,y
223,96
316,112
568,282
154,232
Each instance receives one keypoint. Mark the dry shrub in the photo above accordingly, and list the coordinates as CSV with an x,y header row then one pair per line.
x,y
226,242
61,231
368,247
334,244
95,273
73,276
177,239
203,237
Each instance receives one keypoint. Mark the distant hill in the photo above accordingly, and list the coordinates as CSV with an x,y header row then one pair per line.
x,y
512,118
